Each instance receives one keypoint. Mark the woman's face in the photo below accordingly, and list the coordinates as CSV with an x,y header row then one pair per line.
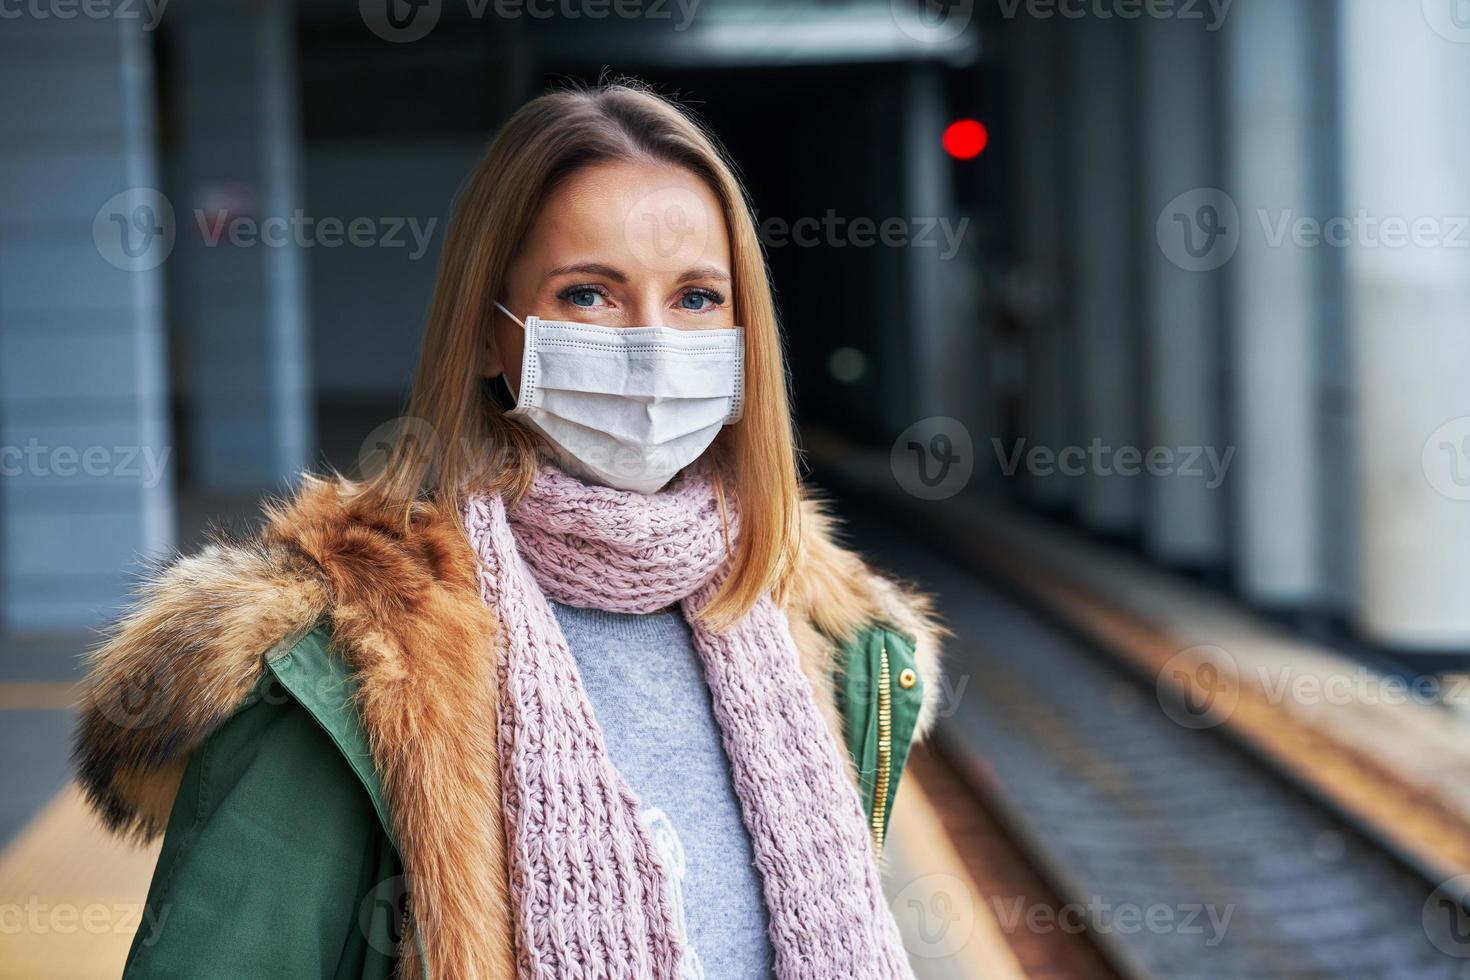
x,y
621,245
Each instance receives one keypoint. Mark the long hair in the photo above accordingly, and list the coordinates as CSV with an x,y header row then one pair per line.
x,y
458,436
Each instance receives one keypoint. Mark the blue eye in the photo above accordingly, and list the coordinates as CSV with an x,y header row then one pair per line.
x,y
699,300
583,297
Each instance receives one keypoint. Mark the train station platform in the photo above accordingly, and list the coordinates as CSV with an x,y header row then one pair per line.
x,y
73,897
1133,776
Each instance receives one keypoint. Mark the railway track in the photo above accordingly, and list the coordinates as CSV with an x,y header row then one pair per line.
x,y
1000,870
1156,848
1175,852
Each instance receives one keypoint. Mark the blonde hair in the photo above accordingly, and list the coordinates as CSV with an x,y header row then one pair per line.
x,y
474,445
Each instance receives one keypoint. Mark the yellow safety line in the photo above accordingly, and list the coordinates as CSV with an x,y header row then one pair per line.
x,y
946,924
49,695
71,897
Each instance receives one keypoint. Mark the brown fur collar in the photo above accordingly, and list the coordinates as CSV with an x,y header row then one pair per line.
x,y
400,592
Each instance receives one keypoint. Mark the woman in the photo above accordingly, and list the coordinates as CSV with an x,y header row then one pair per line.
x,y
578,684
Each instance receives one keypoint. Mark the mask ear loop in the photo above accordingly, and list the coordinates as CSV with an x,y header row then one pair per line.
x,y
508,313
515,398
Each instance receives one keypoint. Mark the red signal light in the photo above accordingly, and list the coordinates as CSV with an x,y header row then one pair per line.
x,y
966,139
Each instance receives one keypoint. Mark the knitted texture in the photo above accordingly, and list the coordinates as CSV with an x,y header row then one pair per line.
x,y
589,892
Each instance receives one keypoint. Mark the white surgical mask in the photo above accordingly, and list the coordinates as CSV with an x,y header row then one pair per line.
x,y
629,407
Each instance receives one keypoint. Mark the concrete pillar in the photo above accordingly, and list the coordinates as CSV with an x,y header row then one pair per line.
x,y
240,296
1045,229
1336,411
943,374
1407,204
1274,145
1102,87
1188,232
86,490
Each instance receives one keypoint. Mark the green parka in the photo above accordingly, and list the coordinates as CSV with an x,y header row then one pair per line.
x,y
304,715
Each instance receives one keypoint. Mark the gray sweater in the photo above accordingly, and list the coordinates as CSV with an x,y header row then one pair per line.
x,y
646,684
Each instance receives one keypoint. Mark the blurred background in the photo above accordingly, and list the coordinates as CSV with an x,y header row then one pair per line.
x,y
1136,330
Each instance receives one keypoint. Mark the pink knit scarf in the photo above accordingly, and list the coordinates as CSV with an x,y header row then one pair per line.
x,y
589,891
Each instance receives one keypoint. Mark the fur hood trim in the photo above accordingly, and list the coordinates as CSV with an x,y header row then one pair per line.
x,y
401,595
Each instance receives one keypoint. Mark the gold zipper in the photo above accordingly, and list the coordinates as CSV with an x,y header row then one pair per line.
x,y
885,748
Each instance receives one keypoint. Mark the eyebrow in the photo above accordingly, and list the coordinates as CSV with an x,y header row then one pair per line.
x,y
704,272
617,275
591,269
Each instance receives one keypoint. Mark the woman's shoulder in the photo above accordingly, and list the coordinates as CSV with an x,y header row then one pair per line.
x,y
836,600
196,643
